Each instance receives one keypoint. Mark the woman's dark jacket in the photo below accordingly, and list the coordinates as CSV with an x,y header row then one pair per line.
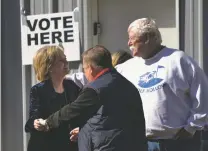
x,y
43,102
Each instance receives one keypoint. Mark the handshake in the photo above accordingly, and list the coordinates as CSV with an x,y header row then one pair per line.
x,y
41,125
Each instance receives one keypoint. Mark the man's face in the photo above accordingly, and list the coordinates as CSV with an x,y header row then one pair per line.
x,y
134,43
87,71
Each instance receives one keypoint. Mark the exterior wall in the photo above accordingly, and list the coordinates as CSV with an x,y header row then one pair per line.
x,y
11,78
16,79
0,81
205,37
115,18
194,30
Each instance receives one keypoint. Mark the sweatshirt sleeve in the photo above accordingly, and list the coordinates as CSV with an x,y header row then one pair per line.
x,y
119,68
198,84
78,78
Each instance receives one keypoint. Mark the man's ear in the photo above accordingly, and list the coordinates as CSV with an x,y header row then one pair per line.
x,y
91,68
145,39
147,42
94,71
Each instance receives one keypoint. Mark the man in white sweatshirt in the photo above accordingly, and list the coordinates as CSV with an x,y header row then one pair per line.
x,y
172,86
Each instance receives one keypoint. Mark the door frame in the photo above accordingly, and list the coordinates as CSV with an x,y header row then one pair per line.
x,y
95,19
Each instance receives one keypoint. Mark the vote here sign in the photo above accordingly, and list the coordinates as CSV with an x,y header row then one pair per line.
x,y
50,29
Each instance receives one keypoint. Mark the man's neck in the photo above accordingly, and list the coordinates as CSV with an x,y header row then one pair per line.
x,y
153,52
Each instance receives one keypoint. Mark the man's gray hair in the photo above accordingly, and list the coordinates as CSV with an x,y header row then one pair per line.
x,y
146,27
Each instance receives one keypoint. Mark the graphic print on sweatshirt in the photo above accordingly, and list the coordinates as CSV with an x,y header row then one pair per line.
x,y
151,81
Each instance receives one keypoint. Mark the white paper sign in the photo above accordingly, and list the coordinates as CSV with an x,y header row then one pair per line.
x,y
50,29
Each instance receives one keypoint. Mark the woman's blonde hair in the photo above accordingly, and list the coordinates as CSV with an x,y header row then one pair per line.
x,y
120,57
44,59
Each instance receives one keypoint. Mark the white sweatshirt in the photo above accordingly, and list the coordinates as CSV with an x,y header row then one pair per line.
x,y
174,92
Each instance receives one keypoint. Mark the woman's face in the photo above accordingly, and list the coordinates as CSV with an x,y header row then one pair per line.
x,y
60,66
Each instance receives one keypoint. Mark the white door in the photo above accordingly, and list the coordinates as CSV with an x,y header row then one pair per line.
x,y
115,16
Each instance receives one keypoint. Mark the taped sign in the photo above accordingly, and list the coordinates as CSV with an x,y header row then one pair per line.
x,y
50,25
50,29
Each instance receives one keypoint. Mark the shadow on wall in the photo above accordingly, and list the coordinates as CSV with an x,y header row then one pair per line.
x,y
115,17
162,11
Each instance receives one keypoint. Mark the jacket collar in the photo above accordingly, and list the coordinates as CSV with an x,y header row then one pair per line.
x,y
101,73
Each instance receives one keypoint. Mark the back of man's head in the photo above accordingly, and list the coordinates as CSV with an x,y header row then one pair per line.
x,y
98,57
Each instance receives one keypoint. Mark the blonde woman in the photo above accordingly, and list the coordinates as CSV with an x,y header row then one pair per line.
x,y
120,57
51,94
